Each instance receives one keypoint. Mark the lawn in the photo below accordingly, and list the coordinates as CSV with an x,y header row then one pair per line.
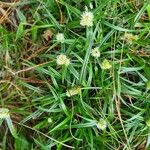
x,y
75,74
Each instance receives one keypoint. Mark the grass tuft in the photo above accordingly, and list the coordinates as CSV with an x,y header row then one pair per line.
x,y
75,74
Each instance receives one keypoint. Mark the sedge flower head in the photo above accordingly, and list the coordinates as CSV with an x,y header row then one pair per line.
x,y
95,52
4,113
102,124
73,91
62,60
106,64
60,37
129,38
87,18
49,120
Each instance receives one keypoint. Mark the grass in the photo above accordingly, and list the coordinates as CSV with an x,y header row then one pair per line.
x,y
33,87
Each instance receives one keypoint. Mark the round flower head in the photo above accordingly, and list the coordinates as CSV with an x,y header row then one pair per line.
x,y
87,19
49,120
60,37
62,60
129,38
102,124
73,91
106,64
95,52
4,113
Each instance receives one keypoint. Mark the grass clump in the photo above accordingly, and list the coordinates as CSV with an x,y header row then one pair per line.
x,y
75,74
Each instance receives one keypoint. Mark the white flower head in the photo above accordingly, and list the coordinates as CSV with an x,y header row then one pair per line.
x,y
49,120
95,52
106,64
102,124
60,37
62,60
73,91
87,18
129,38
4,113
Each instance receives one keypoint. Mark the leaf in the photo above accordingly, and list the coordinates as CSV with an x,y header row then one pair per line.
x,y
140,13
119,28
76,11
21,143
34,34
19,31
74,72
11,127
130,69
85,125
61,124
43,146
148,11
21,16
88,47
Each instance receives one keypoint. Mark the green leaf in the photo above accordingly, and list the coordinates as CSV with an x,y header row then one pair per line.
x,y
21,143
130,69
19,31
21,16
11,127
88,48
148,11
140,13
